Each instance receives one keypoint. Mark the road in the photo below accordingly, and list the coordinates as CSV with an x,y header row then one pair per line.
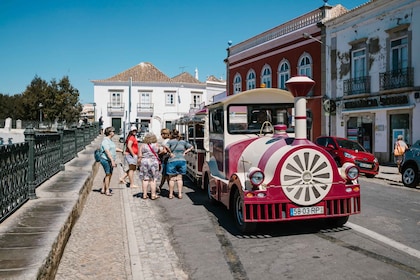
x,y
380,243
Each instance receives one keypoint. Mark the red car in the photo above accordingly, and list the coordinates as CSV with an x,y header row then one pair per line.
x,y
345,150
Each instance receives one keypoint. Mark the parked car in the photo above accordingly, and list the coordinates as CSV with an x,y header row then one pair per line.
x,y
344,150
410,166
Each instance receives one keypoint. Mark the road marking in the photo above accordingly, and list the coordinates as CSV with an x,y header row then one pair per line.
x,y
397,245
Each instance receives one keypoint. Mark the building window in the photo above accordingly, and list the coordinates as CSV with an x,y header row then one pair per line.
x,y
359,63
305,65
145,99
284,74
196,100
116,99
170,98
399,53
250,80
237,83
266,76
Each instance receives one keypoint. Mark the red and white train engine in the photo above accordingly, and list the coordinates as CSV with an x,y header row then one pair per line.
x,y
248,161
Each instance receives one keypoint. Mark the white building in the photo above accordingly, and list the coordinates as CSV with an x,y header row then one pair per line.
x,y
375,78
145,95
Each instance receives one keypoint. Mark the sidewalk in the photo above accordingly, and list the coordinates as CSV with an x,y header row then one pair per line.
x,y
117,237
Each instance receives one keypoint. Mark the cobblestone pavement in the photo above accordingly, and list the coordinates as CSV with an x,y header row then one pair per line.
x,y
119,237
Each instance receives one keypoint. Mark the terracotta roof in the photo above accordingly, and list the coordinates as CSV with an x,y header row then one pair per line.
x,y
212,78
147,72
185,78
143,72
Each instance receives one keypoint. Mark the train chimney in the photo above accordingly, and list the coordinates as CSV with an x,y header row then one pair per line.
x,y
299,86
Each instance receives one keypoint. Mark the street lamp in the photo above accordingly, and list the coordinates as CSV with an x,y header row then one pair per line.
x,y
324,87
40,112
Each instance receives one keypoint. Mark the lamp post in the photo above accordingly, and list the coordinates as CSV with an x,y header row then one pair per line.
x,y
40,112
324,87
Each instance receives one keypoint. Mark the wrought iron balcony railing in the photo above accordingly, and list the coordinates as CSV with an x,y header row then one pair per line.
x,y
145,109
357,85
115,109
394,79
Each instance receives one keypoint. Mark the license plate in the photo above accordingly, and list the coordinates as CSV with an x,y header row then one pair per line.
x,y
365,165
301,211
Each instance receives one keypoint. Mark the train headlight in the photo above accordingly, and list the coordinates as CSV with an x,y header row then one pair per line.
x,y
349,171
256,176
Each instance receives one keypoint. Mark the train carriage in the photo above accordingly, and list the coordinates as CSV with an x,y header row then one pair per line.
x,y
263,174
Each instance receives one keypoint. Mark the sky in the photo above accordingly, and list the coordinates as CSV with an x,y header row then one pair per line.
x,y
96,39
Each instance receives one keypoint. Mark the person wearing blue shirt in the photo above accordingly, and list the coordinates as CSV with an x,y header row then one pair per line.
x,y
177,165
108,158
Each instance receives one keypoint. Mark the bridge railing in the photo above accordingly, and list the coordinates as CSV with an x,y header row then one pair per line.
x,y
25,166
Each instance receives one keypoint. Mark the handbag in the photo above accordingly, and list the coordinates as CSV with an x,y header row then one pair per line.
x,y
164,157
398,151
160,163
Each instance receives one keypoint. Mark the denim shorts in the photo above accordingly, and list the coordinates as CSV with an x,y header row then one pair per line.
x,y
106,164
176,167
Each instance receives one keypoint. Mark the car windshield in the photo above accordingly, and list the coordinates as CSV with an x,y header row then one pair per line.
x,y
351,145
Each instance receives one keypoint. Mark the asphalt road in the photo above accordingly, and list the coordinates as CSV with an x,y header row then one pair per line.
x,y
383,243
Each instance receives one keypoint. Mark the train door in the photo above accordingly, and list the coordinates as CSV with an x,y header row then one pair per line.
x,y
216,129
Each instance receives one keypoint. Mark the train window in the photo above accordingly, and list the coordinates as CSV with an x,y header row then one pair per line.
x,y
238,120
250,118
216,120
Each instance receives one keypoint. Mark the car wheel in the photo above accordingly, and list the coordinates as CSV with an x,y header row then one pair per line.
x,y
244,227
410,176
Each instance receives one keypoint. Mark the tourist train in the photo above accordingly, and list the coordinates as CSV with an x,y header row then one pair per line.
x,y
251,153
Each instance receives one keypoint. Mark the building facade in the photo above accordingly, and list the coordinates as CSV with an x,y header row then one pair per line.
x,y
376,81
146,96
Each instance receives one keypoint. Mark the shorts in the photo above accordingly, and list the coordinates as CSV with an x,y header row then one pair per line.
x,y
106,164
132,162
176,167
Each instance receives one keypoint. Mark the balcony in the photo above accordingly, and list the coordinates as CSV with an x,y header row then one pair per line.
x,y
145,110
357,85
115,109
395,79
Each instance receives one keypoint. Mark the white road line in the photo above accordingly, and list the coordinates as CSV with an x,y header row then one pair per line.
x,y
386,240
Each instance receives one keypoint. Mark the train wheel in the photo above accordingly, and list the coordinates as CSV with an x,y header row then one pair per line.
x,y
337,222
206,185
244,227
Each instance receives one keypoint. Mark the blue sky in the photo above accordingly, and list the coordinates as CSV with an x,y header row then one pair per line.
x,y
90,40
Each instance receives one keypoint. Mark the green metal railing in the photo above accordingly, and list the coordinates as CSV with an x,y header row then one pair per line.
x,y
25,166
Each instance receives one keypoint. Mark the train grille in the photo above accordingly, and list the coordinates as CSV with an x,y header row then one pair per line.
x,y
275,212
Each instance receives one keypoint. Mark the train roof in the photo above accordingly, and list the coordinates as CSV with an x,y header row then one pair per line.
x,y
259,95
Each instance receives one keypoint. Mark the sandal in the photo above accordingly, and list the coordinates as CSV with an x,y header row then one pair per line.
x,y
170,196
155,197
180,196
108,194
145,197
102,191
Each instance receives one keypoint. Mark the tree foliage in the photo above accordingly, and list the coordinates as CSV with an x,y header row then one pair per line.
x,y
57,100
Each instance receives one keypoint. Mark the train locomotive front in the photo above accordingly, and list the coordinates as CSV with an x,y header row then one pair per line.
x,y
275,179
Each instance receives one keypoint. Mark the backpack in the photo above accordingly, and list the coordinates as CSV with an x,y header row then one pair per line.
x,y
97,155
